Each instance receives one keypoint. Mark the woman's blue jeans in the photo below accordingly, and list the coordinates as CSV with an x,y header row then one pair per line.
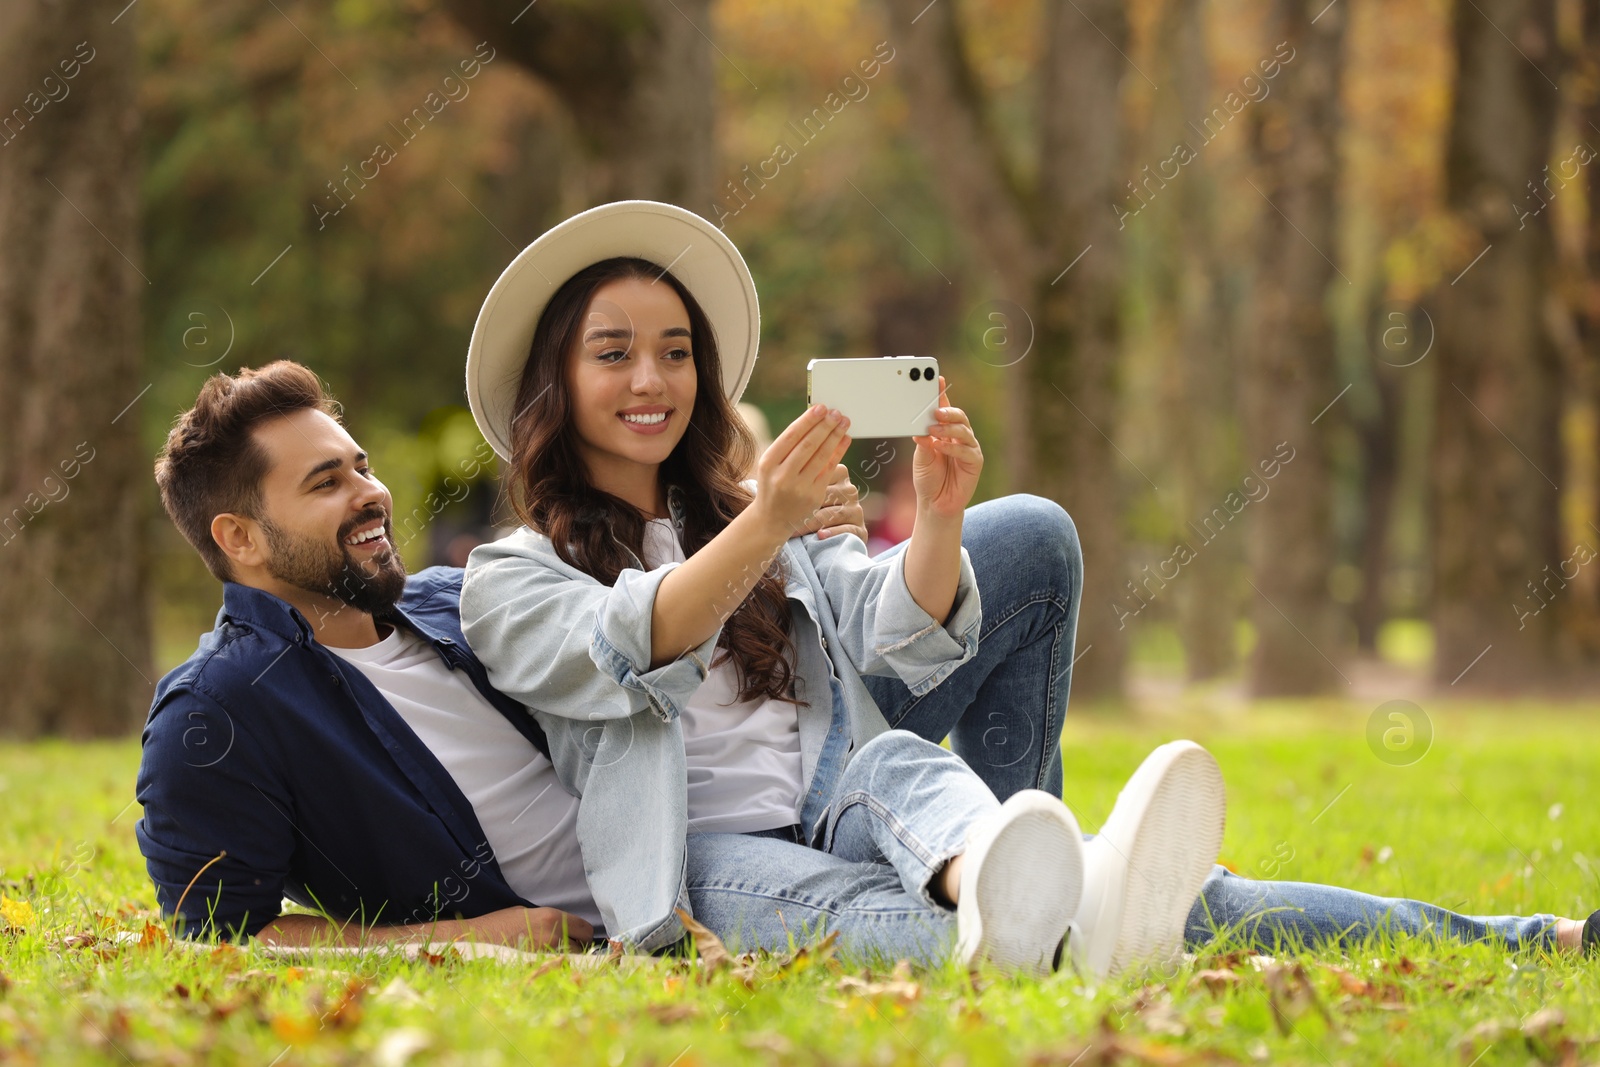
x,y
1003,712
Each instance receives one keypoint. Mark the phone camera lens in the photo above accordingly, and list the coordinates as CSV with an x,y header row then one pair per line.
x,y
928,374
915,374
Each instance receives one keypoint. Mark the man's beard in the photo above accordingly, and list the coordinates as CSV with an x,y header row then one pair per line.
x,y
372,586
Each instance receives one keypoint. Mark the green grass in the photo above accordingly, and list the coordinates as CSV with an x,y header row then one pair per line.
x,y
1474,824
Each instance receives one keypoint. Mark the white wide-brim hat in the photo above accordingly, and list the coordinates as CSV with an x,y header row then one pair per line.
x,y
695,251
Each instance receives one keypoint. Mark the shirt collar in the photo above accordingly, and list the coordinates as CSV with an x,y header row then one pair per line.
x,y
261,610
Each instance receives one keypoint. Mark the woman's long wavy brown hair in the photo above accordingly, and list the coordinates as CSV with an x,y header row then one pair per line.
x,y
593,530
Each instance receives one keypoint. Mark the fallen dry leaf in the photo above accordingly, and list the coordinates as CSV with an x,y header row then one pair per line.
x,y
557,964
1385,997
346,1010
809,956
226,953
1350,983
1542,1022
1404,965
1152,1004
101,947
713,953
1218,981
776,1044
1226,961
1163,1019
1542,1033
672,1012
895,989
1291,994
294,1029
1110,1048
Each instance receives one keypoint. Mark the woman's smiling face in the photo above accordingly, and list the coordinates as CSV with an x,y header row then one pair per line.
x,y
631,376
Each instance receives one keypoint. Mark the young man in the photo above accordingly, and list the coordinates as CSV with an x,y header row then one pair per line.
x,y
274,765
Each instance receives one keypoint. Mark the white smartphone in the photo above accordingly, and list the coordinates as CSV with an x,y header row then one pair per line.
x,y
887,396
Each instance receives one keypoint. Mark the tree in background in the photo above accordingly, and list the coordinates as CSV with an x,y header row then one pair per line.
x,y
274,227
1581,619
1192,304
998,133
1061,405
1395,113
637,78
1286,378
74,626
1497,453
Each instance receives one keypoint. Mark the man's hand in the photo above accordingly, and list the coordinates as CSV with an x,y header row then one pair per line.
x,y
840,512
534,929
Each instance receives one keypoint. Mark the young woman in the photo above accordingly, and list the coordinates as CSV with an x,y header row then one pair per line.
x,y
698,665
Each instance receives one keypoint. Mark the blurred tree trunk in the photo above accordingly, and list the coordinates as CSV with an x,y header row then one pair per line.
x,y
525,198
1287,377
1026,235
1072,377
1378,432
1583,622
1201,388
1496,455
907,317
74,629
637,77
978,182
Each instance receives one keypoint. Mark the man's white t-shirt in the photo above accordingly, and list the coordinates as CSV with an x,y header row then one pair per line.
x,y
744,757
530,821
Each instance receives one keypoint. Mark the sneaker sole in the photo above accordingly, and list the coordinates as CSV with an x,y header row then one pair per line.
x,y
1167,825
1022,886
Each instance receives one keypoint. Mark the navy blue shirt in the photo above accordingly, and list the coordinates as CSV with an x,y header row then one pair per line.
x,y
268,750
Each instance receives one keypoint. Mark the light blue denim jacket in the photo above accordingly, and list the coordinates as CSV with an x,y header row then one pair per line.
x,y
577,654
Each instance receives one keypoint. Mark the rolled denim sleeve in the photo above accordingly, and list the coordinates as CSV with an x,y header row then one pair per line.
x,y
883,629
555,639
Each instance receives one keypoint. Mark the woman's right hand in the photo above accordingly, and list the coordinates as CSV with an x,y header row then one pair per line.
x,y
792,475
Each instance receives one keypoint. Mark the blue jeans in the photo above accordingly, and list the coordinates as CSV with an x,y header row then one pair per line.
x,y
1005,721
899,814
760,893
1003,709
1273,914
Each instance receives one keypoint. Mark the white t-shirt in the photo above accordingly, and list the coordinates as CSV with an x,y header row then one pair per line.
x,y
530,820
744,757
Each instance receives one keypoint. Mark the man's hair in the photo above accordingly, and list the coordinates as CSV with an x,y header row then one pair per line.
x,y
212,463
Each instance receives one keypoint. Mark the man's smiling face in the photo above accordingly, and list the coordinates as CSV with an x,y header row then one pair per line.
x,y
326,518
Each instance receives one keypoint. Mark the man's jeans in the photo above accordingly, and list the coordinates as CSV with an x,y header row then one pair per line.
x,y
760,893
1003,711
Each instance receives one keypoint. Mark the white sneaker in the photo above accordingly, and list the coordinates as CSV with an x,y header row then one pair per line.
x,y
1146,866
1021,884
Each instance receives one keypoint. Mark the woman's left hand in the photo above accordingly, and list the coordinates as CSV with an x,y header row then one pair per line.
x,y
947,462
841,510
